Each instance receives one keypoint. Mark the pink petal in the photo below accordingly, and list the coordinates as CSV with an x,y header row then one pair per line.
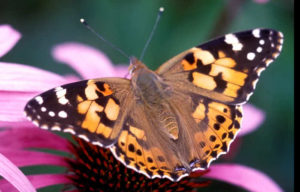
x,y
242,176
23,158
261,1
121,70
39,181
87,61
32,138
12,105
72,78
17,77
14,176
8,38
17,124
253,118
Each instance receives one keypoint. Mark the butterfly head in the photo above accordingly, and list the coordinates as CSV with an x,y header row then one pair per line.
x,y
135,65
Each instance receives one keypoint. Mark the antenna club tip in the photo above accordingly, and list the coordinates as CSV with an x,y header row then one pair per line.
x,y
82,20
161,9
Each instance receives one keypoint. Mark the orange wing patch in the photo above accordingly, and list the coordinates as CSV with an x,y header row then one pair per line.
x,y
214,74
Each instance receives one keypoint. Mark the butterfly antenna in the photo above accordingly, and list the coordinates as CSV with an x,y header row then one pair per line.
x,y
161,10
102,38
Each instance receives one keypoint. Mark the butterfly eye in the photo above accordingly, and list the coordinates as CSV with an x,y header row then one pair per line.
x,y
131,68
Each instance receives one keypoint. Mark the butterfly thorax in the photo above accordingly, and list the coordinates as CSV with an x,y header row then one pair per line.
x,y
151,92
148,87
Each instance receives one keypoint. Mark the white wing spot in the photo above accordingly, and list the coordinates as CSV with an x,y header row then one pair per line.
x,y
43,109
233,40
58,89
269,61
84,138
63,100
62,114
51,113
97,143
44,127
55,128
39,99
69,130
36,123
262,42
250,56
60,93
259,49
256,33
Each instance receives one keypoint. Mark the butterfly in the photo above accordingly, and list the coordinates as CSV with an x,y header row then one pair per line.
x,y
168,122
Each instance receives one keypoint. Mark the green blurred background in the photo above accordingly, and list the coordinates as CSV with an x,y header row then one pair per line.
x,y
184,24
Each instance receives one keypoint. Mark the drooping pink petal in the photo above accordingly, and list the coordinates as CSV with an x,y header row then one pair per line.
x,y
23,158
252,119
87,61
14,176
39,181
17,77
32,137
8,38
242,176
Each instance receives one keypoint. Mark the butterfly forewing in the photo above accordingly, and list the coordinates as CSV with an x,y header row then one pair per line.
x,y
93,110
227,68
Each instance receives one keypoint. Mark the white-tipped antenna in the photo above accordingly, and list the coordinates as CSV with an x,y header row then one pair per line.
x,y
100,37
161,10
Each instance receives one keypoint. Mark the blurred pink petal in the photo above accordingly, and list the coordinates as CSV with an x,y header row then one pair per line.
x,y
72,78
14,176
32,138
252,119
39,181
261,1
23,158
17,77
121,70
242,176
8,38
87,61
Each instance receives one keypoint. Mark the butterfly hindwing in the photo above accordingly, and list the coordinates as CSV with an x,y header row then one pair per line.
x,y
227,68
148,152
92,110
217,125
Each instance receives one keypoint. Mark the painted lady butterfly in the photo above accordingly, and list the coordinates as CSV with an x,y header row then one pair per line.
x,y
172,121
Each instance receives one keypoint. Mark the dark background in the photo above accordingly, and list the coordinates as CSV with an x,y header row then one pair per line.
x,y
184,24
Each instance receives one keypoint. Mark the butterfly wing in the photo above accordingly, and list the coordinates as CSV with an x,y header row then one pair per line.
x,y
207,127
93,110
144,146
225,69
209,83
